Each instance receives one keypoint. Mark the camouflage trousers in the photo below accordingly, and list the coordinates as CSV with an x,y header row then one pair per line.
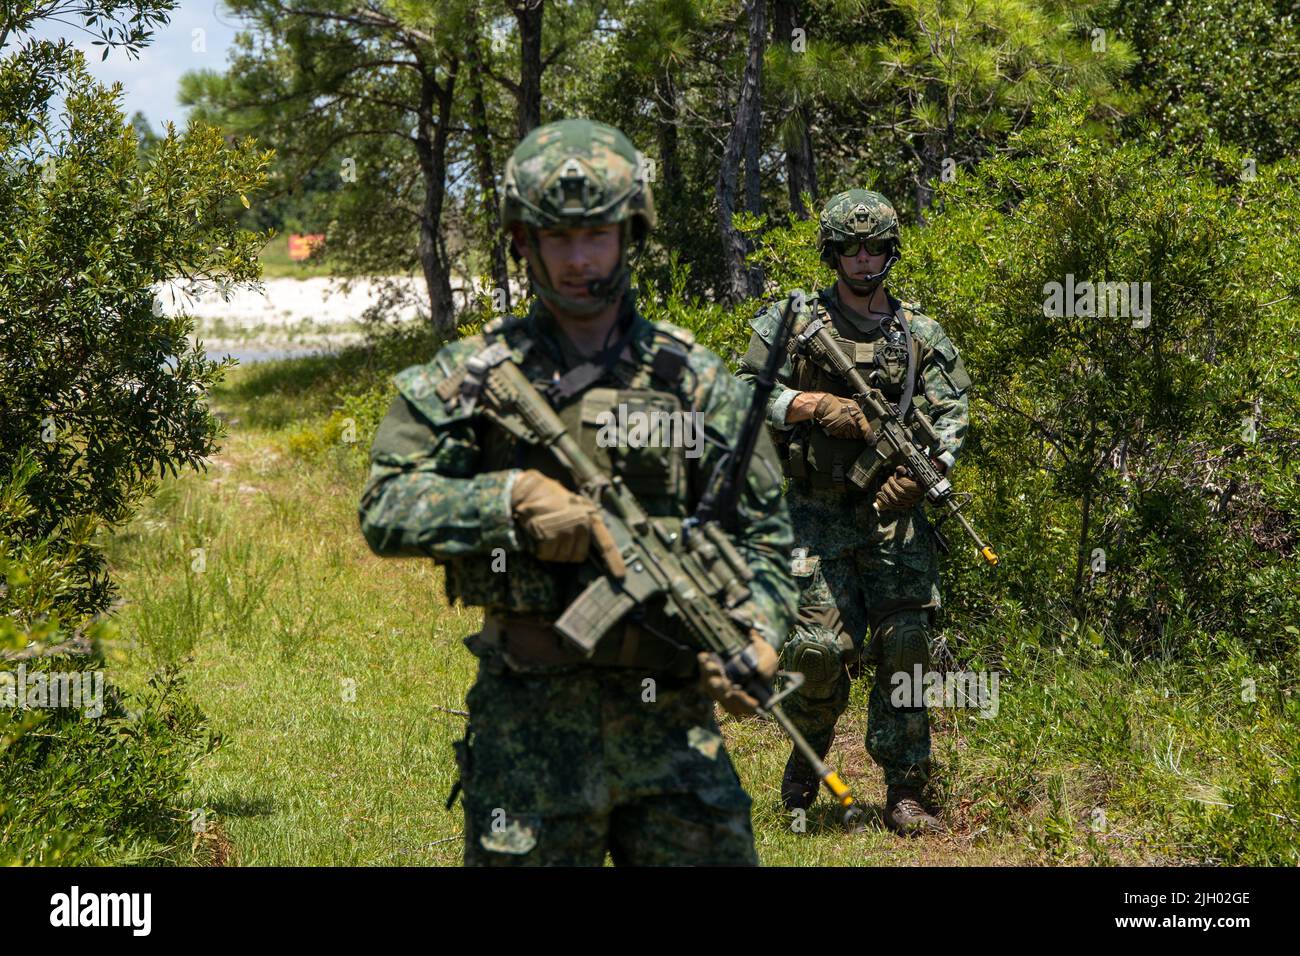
x,y
871,602
560,768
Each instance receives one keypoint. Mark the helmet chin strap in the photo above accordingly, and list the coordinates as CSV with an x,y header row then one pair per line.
x,y
604,292
871,283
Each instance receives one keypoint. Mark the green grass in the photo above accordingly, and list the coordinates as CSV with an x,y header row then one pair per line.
x,y
1087,762
289,608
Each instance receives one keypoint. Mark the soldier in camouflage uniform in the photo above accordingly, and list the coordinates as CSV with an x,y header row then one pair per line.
x,y
867,564
566,759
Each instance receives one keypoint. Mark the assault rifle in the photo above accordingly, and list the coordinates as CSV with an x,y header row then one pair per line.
x,y
911,443
700,574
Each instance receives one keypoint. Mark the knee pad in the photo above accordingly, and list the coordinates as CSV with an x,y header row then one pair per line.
x,y
815,653
904,641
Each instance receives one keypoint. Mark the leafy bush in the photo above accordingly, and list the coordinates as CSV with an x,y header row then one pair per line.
x,y
1212,70
101,395
104,791
102,389
78,787
1104,453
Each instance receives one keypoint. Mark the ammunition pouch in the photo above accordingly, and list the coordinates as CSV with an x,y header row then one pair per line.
x,y
814,460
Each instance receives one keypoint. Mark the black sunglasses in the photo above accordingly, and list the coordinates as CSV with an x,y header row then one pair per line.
x,y
874,247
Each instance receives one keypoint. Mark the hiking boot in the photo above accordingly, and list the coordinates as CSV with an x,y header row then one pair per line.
x,y
799,783
905,815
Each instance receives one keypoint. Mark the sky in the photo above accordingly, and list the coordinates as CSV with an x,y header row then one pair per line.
x,y
149,83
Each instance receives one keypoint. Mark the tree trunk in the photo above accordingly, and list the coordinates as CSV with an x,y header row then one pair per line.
x,y
432,154
930,165
753,185
1082,562
800,164
674,222
481,136
670,166
1085,524
800,168
937,146
744,282
529,14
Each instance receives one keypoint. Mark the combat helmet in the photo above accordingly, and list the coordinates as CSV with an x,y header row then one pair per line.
x,y
858,214
579,173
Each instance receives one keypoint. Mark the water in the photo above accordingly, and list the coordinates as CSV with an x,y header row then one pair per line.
x,y
252,353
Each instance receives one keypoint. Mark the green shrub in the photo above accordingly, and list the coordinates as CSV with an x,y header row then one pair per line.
x,y
78,787
103,791
101,389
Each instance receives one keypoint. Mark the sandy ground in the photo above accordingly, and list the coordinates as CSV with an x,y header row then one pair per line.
x,y
284,317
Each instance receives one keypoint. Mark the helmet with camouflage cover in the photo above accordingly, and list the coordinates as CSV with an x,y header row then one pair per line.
x,y
572,174
858,214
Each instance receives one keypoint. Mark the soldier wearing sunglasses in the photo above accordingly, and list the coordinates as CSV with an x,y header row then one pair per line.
x,y
865,559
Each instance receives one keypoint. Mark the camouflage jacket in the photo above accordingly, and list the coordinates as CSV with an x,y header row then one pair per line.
x,y
441,477
941,379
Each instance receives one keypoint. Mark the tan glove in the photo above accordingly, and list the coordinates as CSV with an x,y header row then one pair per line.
x,y
900,493
560,524
842,418
714,682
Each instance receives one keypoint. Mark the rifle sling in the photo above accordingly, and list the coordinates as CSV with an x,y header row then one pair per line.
x,y
581,377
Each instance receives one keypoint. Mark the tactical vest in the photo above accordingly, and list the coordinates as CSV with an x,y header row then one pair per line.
x,y
659,477
808,454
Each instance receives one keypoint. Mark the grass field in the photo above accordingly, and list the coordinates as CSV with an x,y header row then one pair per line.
x,y
334,678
